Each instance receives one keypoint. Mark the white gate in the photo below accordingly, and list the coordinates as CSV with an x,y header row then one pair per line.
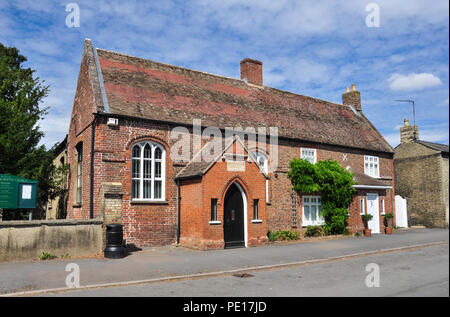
x,y
401,212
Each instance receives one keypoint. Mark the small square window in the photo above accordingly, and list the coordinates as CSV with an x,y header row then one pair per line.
x,y
309,154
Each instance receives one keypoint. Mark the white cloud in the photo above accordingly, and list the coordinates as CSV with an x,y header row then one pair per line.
x,y
413,81
393,139
312,47
434,135
55,129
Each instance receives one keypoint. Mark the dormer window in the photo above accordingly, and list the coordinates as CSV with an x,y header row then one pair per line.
x,y
371,166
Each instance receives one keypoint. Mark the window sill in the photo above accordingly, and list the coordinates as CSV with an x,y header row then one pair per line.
x,y
76,206
310,225
149,202
215,222
376,177
257,221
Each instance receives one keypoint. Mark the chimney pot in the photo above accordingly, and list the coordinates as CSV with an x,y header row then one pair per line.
x,y
408,133
251,70
347,89
352,98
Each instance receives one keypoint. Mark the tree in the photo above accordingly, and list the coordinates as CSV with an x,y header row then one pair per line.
x,y
20,96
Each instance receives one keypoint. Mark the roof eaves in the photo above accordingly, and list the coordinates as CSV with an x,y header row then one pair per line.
x,y
391,150
434,146
284,137
208,167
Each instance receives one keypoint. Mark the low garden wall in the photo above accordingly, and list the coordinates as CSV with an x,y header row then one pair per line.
x,y
21,240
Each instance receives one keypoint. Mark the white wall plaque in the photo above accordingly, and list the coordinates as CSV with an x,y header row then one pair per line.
x,y
26,191
236,166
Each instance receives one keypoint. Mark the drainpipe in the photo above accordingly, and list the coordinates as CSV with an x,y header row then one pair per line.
x,y
179,208
91,202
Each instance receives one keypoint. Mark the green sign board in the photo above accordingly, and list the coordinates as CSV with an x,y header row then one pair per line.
x,y
17,192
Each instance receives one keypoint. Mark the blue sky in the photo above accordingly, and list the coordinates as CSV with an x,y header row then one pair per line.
x,y
313,48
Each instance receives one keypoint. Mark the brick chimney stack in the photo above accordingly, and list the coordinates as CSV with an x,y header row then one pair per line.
x,y
408,133
352,97
251,71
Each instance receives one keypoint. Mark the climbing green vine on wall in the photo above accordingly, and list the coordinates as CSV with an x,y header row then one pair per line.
x,y
333,183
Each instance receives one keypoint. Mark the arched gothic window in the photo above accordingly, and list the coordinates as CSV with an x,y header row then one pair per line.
x,y
148,168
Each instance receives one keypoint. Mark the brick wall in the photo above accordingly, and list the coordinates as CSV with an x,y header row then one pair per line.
x,y
280,212
196,195
80,133
156,223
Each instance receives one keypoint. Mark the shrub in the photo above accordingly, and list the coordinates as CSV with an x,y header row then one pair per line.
x,y
272,236
47,256
389,215
288,235
336,219
314,231
283,235
367,217
334,185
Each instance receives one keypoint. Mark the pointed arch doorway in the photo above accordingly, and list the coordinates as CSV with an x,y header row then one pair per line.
x,y
235,217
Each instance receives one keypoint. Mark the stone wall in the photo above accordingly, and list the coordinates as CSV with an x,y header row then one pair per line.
x,y
445,190
420,177
22,240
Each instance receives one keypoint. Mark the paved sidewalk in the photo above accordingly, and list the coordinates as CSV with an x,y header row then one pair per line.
x,y
171,261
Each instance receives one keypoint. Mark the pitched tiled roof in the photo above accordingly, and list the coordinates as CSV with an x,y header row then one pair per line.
x,y
366,180
434,146
143,88
194,169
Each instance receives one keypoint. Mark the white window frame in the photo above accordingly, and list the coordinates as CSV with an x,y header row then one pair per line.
x,y
79,179
318,204
307,156
162,178
383,211
362,206
374,170
255,210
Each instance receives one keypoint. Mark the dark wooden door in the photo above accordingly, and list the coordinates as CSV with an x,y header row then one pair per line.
x,y
234,218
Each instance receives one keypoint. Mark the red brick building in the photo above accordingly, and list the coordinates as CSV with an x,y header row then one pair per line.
x,y
130,116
